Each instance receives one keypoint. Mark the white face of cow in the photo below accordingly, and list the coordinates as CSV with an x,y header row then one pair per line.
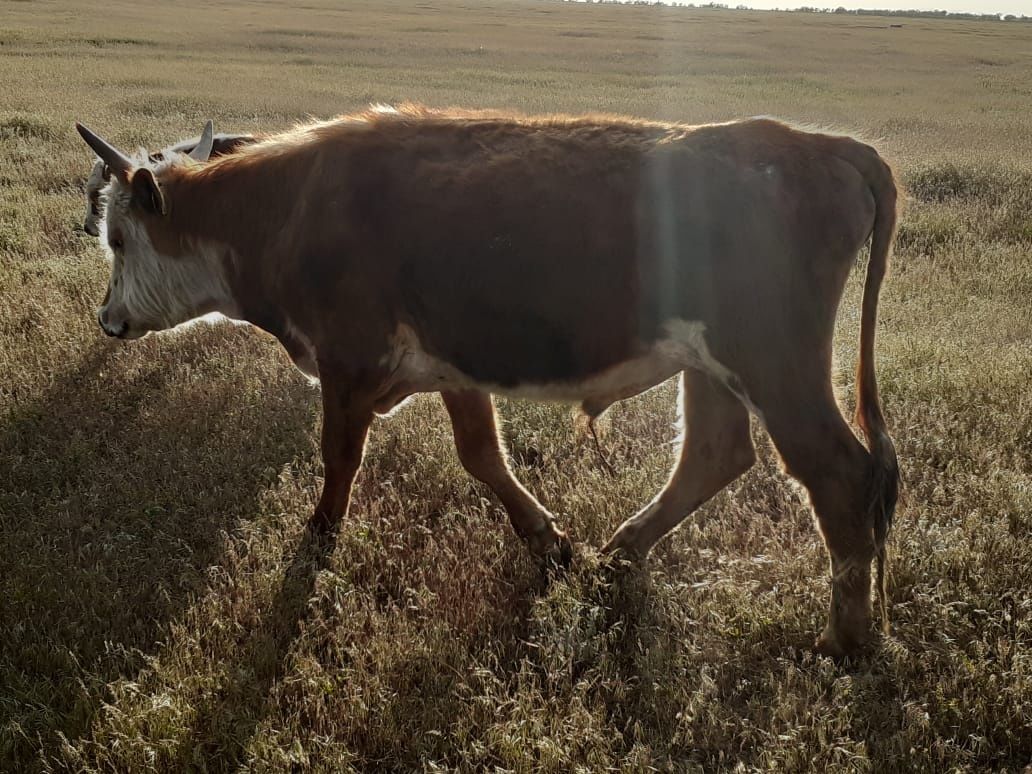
x,y
152,290
149,291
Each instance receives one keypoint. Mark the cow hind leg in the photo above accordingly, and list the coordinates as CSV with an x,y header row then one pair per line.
x,y
480,452
821,452
716,449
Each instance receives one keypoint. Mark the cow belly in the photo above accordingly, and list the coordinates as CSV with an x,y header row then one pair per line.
x,y
681,346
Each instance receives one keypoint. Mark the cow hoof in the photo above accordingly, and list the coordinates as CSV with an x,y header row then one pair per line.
x,y
565,551
625,546
829,648
553,549
838,646
322,525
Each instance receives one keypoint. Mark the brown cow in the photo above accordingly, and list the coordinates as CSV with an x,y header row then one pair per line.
x,y
572,259
100,175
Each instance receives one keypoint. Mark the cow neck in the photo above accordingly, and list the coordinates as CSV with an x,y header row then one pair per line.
x,y
237,206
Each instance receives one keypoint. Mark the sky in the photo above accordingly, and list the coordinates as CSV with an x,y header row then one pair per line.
x,y
1016,7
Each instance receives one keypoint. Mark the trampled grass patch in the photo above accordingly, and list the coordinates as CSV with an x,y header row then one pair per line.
x,y
160,606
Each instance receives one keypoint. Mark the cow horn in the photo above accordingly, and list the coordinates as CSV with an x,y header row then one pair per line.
x,y
202,150
116,161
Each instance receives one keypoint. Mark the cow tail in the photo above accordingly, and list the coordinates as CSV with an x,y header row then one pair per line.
x,y
885,469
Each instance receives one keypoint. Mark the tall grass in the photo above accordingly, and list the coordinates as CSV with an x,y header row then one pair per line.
x,y
160,608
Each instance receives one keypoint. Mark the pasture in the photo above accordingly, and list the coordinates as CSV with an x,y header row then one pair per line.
x,y
160,607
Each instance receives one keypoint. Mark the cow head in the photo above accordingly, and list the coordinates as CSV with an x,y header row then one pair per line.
x,y
100,175
159,278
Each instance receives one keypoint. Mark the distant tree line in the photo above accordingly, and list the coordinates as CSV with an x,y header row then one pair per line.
x,y
908,14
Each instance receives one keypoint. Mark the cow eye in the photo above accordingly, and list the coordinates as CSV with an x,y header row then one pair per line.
x,y
116,243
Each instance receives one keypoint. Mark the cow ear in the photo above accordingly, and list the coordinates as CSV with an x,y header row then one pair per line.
x,y
146,193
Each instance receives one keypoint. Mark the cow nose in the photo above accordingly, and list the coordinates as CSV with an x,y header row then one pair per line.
x,y
108,329
117,333
91,230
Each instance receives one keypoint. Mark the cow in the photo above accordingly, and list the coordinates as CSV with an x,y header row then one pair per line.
x,y
100,174
577,259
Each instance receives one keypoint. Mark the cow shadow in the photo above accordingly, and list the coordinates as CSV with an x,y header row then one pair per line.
x,y
226,725
120,484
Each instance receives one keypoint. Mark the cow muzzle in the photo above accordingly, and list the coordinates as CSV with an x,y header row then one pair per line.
x,y
119,329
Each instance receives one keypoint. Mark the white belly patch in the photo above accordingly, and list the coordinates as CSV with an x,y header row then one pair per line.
x,y
681,346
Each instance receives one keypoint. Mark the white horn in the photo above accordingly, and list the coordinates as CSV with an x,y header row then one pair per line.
x,y
116,161
203,148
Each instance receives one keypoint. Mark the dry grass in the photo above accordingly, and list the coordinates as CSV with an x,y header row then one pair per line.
x,y
159,609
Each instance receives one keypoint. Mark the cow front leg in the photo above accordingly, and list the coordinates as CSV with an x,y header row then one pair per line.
x,y
480,451
347,414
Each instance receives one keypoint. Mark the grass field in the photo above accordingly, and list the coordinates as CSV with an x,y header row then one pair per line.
x,y
159,606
